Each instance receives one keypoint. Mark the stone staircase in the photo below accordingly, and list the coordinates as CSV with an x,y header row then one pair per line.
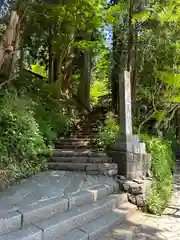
x,y
77,154
87,214
83,204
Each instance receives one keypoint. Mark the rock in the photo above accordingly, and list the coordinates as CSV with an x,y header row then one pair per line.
x,y
139,181
125,187
149,178
112,172
140,200
132,199
149,174
119,178
135,188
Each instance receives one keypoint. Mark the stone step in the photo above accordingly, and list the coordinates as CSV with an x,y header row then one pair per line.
x,y
97,168
60,224
64,226
71,153
74,139
29,233
83,135
81,159
29,215
70,142
95,229
98,228
70,146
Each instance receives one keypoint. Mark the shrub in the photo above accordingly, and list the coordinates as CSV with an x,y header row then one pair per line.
x,y
162,166
108,133
22,147
163,163
51,119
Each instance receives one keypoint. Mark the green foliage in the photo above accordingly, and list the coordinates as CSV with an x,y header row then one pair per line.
x,y
108,133
98,89
22,147
37,68
162,165
28,127
52,122
100,74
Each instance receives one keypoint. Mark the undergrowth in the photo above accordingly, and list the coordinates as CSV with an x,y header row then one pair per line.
x,y
28,127
162,166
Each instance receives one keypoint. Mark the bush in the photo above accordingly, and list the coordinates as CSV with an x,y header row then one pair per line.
x,y
108,133
51,119
22,147
162,165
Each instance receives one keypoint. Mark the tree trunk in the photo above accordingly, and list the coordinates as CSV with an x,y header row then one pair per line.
x,y
51,59
15,53
67,81
85,80
6,48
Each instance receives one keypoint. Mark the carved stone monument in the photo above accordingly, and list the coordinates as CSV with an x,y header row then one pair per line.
x,y
128,152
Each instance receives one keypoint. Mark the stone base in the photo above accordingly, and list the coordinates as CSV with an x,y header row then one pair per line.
x,y
131,156
137,190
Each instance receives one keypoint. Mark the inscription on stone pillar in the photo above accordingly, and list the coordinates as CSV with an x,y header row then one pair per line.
x,y
125,104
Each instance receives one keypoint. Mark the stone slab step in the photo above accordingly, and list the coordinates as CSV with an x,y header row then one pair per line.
x,y
60,224
70,146
29,215
99,227
88,222
74,139
28,233
71,153
72,143
75,234
9,222
101,168
81,159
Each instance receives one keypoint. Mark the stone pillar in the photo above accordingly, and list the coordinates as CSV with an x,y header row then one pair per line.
x,y
128,152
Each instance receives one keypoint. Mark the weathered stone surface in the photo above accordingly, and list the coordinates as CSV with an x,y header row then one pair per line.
x,y
112,172
141,200
132,199
97,228
9,222
138,190
135,188
62,223
85,153
121,198
99,192
29,233
44,210
80,198
139,181
131,187
69,159
67,166
45,186
75,234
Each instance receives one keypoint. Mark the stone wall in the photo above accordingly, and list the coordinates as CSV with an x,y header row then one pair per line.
x,y
137,190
